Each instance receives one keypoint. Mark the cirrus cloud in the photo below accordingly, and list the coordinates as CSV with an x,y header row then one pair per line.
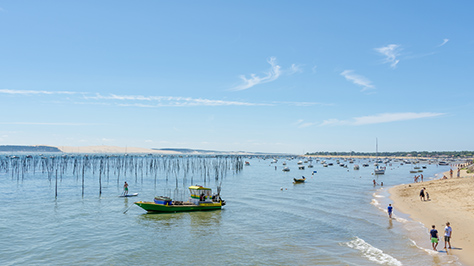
x,y
379,118
390,52
362,81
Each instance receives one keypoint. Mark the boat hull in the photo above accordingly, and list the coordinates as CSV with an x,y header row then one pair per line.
x,y
152,207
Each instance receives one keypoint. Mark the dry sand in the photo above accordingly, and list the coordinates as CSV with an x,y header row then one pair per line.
x,y
450,200
111,149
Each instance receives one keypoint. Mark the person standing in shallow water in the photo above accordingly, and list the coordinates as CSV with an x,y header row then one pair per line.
x,y
434,237
390,210
448,231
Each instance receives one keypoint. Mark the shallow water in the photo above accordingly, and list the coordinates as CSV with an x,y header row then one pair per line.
x,y
336,218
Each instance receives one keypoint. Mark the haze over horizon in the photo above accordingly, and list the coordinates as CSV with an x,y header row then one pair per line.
x,y
279,77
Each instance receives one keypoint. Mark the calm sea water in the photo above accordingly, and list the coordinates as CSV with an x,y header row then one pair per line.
x,y
336,218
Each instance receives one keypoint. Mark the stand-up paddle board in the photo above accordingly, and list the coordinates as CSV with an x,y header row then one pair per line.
x,y
129,195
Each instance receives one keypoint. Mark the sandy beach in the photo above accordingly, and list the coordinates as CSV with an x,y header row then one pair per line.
x,y
450,200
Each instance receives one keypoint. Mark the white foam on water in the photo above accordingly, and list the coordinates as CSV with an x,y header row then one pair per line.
x,y
429,251
372,253
375,202
400,220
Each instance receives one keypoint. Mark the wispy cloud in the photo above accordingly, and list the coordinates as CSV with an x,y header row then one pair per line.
x,y
271,75
33,92
145,101
444,42
50,124
301,124
362,81
390,52
161,101
379,118
295,69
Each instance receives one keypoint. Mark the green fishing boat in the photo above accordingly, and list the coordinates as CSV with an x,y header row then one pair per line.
x,y
201,199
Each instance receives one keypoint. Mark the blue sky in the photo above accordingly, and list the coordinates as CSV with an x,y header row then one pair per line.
x,y
270,76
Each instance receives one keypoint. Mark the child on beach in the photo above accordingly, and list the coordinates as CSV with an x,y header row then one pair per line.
x,y
390,210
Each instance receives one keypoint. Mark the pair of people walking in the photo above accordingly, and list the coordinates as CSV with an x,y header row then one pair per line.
x,y
448,231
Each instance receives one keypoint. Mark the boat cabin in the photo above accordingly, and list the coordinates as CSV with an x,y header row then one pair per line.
x,y
200,194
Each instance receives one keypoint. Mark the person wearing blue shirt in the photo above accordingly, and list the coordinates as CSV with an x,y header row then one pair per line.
x,y
390,209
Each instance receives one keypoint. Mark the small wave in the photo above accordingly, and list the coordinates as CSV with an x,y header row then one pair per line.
x,y
378,196
429,251
400,220
375,202
372,253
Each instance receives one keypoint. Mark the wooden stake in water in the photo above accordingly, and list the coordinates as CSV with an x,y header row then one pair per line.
x,y
56,189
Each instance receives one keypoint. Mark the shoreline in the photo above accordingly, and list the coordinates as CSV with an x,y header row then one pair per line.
x,y
450,201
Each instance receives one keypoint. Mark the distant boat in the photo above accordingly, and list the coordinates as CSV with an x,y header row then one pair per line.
x,y
310,166
286,169
356,167
378,170
301,167
299,180
300,162
247,163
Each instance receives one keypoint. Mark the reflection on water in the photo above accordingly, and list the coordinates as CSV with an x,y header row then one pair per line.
x,y
390,223
196,219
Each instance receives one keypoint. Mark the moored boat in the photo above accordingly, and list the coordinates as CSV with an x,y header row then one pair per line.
x,y
299,180
201,199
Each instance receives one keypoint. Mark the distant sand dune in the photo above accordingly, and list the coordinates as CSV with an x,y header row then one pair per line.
x,y
111,149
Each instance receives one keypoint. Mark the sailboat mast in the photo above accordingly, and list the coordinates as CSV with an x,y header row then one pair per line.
x,y
376,148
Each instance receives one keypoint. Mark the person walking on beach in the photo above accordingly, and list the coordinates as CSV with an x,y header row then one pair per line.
x,y
421,177
422,194
448,232
451,173
459,172
434,237
125,188
390,210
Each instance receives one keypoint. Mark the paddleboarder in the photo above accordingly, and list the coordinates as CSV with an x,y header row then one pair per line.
x,y
125,188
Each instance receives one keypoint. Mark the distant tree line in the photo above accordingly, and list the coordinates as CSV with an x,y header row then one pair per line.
x,y
20,148
434,154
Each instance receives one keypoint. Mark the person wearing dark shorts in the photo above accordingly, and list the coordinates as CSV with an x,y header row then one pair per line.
x,y
422,194
448,231
389,210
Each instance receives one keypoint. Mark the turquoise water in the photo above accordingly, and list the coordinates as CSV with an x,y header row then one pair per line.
x,y
336,218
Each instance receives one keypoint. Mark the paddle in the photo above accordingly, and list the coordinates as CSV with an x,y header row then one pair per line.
x,y
128,208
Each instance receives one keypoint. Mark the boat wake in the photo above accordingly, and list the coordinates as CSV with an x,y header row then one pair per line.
x,y
372,253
